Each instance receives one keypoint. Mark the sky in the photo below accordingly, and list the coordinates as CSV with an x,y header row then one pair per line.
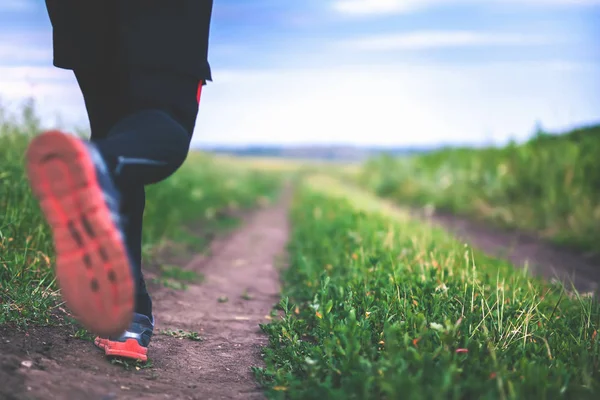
x,y
357,72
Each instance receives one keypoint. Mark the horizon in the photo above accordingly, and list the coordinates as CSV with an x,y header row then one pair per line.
x,y
436,145
390,73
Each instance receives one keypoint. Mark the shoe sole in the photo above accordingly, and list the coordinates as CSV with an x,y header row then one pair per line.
x,y
129,349
100,343
92,267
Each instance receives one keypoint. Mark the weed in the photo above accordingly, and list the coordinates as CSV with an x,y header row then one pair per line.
x,y
181,334
246,295
180,274
84,335
170,283
129,364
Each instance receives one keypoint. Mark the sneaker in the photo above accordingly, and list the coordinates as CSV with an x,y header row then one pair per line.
x,y
79,200
133,343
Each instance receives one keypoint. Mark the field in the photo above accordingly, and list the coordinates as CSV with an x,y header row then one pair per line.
x,y
550,185
356,298
380,306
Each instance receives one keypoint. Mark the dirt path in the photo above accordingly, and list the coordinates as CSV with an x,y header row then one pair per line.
x,y
48,363
542,258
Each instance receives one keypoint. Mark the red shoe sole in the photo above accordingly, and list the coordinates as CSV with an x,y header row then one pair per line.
x,y
128,349
100,343
92,267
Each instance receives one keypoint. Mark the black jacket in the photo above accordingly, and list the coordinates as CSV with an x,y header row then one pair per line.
x,y
157,34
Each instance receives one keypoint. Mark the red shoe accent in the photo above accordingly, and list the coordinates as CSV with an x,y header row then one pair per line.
x,y
199,94
100,342
128,349
92,267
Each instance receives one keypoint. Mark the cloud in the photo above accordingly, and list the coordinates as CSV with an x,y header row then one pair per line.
x,y
362,7
34,74
395,105
400,104
19,54
560,2
440,39
55,92
26,47
17,5
378,7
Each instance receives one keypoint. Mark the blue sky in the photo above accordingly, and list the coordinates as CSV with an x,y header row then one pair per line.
x,y
383,72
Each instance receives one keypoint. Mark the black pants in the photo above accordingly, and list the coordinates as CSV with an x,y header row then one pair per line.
x,y
142,122
170,35
139,64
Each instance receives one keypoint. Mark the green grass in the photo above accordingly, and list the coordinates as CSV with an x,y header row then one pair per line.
x,y
378,306
181,334
202,191
177,278
549,185
180,274
129,365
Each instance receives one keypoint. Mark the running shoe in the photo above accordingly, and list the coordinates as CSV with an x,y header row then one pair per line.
x,y
133,343
80,202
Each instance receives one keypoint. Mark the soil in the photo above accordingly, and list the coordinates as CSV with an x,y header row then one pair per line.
x,y
239,290
542,258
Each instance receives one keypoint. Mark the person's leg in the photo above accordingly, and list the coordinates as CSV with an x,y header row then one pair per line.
x,y
152,142
143,147
132,209
147,146
71,182
79,184
105,96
